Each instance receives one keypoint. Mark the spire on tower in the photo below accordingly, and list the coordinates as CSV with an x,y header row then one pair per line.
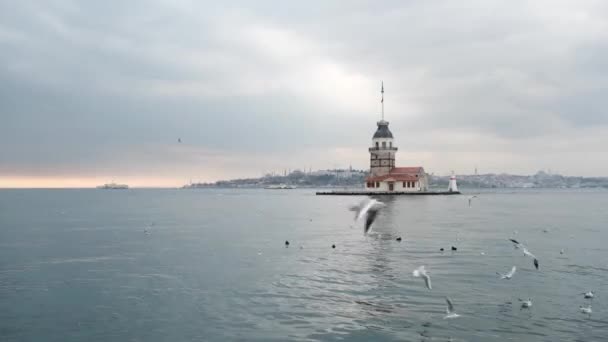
x,y
382,101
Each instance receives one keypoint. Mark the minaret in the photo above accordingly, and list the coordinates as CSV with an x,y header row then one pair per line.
x,y
452,187
382,152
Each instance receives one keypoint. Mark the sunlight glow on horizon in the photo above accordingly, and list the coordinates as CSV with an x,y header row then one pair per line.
x,y
90,182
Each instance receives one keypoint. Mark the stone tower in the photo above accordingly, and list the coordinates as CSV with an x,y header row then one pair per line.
x,y
382,153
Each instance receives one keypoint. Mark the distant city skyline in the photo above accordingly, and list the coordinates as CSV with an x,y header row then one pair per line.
x,y
157,93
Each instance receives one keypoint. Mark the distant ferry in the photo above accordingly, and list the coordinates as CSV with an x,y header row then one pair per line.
x,y
113,186
280,187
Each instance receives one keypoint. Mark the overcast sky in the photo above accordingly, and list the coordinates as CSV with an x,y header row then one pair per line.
x,y
94,91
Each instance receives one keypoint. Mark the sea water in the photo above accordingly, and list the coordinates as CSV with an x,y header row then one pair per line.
x,y
211,265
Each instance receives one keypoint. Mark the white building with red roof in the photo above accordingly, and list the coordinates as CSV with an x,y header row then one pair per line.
x,y
384,175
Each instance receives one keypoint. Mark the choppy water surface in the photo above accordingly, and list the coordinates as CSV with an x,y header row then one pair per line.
x,y
76,265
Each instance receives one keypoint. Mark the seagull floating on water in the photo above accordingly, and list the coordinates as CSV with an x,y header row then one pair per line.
x,y
518,245
398,239
146,230
421,272
508,275
588,295
526,303
286,243
586,310
450,310
368,208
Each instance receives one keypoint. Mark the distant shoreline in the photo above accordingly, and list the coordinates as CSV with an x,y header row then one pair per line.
x,y
354,179
465,189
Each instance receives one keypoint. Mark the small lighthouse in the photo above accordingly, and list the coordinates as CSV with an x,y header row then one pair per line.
x,y
452,187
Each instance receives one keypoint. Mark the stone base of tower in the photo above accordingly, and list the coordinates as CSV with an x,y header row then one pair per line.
x,y
386,193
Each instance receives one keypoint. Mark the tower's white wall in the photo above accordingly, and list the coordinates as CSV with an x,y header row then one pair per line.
x,y
398,186
420,185
388,142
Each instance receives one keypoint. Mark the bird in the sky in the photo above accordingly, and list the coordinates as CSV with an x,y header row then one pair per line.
x,y
369,209
471,199
450,309
508,275
519,245
421,272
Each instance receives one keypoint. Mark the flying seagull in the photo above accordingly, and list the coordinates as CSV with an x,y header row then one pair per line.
x,y
450,310
515,243
421,272
471,199
507,275
518,245
368,208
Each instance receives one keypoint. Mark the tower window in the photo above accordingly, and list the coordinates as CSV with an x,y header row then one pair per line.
x,y
384,144
377,144
390,144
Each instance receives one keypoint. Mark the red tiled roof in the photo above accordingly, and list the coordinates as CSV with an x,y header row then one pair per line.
x,y
392,178
407,170
399,174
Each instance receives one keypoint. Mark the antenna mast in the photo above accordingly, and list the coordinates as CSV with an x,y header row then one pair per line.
x,y
382,101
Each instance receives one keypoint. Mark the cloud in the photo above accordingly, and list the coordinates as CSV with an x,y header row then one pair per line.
x,y
105,89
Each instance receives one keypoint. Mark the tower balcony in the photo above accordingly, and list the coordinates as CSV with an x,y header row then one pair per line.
x,y
382,149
